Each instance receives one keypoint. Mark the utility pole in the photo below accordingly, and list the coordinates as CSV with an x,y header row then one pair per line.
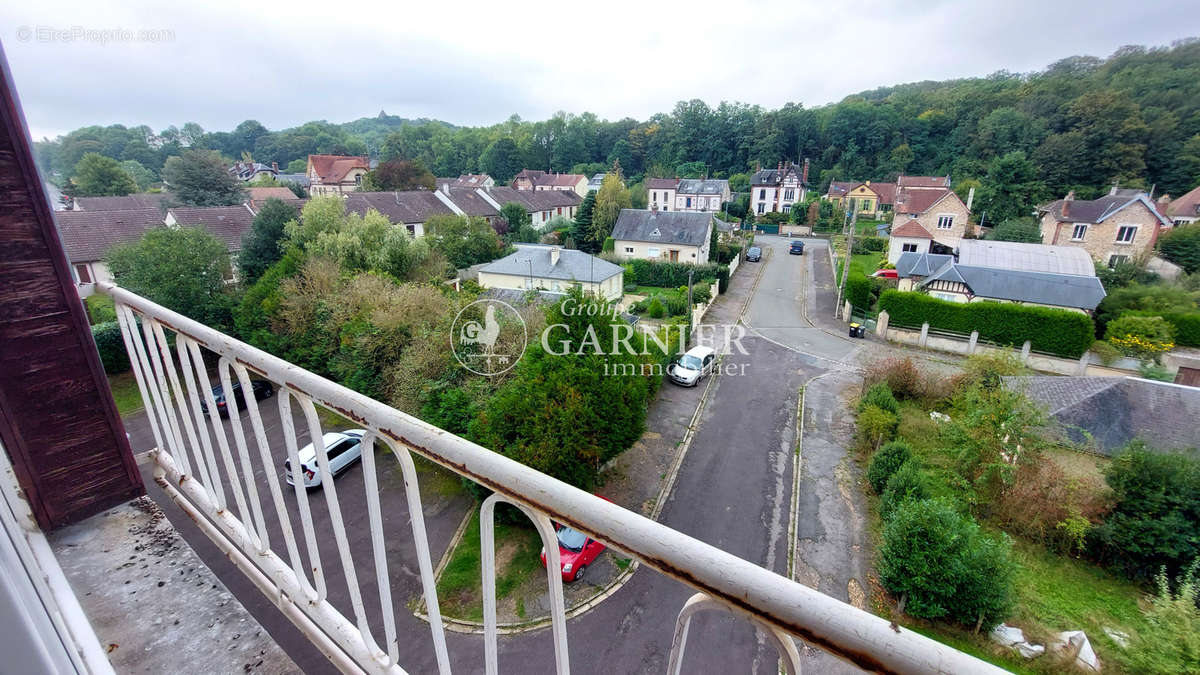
x,y
837,308
691,308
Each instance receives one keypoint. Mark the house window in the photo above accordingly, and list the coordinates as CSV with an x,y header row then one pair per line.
x,y
908,248
761,206
358,179
1078,233
652,252
787,208
689,203
666,208
1126,233
762,194
560,210
1115,260
84,274
945,222
864,205
789,194
629,249
654,196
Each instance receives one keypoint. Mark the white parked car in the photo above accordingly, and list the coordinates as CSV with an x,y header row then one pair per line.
x,y
690,368
343,447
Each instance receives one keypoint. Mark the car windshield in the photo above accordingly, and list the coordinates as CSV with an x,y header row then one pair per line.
x,y
570,539
690,362
755,249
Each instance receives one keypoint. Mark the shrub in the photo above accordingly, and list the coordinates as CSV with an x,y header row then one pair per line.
x,y
1153,371
1170,642
875,425
942,566
1142,337
1044,505
900,375
100,309
858,290
863,245
880,396
1108,354
701,293
1181,245
885,462
630,288
908,483
111,346
665,274
1155,520
1055,331
1187,327
655,308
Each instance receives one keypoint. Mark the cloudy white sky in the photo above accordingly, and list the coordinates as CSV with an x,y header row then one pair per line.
x,y
283,63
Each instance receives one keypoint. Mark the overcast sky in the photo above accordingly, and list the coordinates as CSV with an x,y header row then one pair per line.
x,y
218,63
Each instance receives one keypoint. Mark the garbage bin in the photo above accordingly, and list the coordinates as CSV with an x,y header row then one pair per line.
x,y
856,330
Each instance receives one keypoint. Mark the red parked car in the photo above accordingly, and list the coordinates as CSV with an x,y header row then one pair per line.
x,y
576,551
886,274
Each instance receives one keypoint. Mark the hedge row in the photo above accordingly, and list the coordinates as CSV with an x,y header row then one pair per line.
x,y
1187,325
858,290
111,346
675,274
1055,331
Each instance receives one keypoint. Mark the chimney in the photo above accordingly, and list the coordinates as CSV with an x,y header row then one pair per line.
x,y
554,253
779,167
446,188
1113,191
804,176
970,197
1066,206
275,167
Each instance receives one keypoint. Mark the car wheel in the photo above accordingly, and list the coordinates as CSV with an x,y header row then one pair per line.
x,y
579,573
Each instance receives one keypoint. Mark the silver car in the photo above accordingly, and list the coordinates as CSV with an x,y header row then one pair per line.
x,y
692,366
343,448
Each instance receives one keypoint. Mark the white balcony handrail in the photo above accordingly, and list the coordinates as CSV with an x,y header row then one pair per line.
x,y
741,586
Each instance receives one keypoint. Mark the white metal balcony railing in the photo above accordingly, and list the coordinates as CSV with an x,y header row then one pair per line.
x,y
211,479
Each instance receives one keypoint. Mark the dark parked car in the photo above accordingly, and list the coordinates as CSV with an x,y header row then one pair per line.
x,y
262,389
753,254
797,248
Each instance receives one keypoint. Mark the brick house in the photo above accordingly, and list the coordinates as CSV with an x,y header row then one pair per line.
x,y
939,211
539,181
660,193
778,189
1119,227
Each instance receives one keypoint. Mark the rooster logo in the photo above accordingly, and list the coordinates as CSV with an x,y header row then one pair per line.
x,y
474,343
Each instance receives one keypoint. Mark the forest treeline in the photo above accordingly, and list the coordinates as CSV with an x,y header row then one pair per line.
x,y
1081,123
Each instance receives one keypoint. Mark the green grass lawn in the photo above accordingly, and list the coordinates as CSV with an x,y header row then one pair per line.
x,y
866,263
460,585
125,392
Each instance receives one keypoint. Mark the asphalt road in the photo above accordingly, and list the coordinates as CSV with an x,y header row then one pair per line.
x,y
733,491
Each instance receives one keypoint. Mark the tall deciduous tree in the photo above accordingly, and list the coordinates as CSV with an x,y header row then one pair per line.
x,y
399,174
182,269
199,178
464,240
99,176
611,198
516,216
502,159
261,245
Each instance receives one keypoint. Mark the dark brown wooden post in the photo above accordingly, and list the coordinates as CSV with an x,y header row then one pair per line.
x,y
58,421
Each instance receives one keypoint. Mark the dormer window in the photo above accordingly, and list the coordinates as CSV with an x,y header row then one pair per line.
x,y
656,233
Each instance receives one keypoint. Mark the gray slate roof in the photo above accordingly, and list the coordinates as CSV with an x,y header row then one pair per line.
x,y
572,265
697,186
141,200
1098,210
1029,257
412,206
1060,290
920,264
1116,410
227,223
684,228
87,235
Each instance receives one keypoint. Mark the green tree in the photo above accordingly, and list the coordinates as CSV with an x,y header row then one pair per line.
x,y
885,462
515,215
99,176
182,269
502,159
582,227
1025,229
942,566
398,174
141,176
611,198
560,413
464,240
366,243
261,245
199,178
1181,245
1011,189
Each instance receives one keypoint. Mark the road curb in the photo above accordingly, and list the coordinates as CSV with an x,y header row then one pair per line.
x,y
794,516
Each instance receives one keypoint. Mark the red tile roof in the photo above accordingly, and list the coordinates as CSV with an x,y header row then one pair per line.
x,y
262,194
919,201
88,235
662,183
912,229
333,168
923,181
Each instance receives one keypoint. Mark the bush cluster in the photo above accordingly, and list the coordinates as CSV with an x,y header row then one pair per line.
x,y
1186,324
863,245
1055,331
858,290
1142,337
886,461
111,346
674,274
